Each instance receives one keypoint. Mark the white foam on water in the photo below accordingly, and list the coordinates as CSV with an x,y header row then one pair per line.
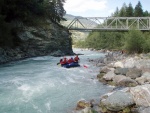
x,y
24,87
51,84
48,106
70,80
37,108
82,71
63,82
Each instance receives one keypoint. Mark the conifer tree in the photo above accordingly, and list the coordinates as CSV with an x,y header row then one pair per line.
x,y
116,13
145,13
129,11
27,9
138,12
123,9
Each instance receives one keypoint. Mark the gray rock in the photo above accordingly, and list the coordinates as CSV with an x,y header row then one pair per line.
x,y
104,69
141,110
109,76
118,101
118,78
121,71
146,75
38,41
127,82
141,80
141,95
134,73
57,53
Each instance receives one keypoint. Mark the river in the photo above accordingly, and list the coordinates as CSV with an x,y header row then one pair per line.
x,y
38,85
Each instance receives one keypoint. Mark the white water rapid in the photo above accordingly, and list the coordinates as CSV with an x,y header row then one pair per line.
x,y
38,85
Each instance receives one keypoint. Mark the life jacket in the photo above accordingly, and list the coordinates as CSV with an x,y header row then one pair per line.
x,y
76,59
64,61
70,60
61,62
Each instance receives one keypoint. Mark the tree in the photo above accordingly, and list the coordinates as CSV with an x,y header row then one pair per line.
x,y
145,13
123,9
138,12
134,41
55,10
116,13
27,9
129,11
30,12
60,9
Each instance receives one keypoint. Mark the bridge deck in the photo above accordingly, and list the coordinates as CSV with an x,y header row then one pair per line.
x,y
110,23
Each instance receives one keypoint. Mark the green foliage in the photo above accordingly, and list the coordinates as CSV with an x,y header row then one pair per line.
x,y
116,13
30,12
138,10
103,40
27,9
145,14
122,12
129,10
80,44
127,110
134,41
146,45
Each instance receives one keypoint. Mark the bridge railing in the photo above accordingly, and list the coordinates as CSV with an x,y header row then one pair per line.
x,y
110,23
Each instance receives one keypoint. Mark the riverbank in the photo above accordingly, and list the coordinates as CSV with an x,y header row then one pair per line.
x,y
130,77
36,40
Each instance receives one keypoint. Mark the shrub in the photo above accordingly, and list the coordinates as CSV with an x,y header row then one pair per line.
x,y
134,41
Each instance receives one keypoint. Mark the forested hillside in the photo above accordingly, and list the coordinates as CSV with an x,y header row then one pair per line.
x,y
132,41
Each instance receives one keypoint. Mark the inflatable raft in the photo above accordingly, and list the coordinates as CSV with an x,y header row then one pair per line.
x,y
73,64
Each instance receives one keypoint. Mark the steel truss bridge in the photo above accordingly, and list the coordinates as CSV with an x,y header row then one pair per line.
x,y
110,23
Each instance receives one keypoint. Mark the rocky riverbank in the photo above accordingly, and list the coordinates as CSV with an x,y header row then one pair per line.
x,y
130,76
44,39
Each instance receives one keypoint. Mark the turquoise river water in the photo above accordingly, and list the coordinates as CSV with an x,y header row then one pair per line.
x,y
38,85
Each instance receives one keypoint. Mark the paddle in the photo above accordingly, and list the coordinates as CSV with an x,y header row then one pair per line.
x,y
58,63
85,66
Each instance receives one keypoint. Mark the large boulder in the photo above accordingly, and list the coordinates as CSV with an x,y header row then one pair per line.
x,y
109,76
134,73
121,71
147,76
117,101
118,64
118,78
141,80
141,95
127,82
104,69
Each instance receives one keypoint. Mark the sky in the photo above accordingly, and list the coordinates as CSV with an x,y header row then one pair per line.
x,y
99,8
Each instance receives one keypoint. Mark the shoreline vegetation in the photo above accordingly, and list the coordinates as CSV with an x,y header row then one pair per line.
x,y
129,74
